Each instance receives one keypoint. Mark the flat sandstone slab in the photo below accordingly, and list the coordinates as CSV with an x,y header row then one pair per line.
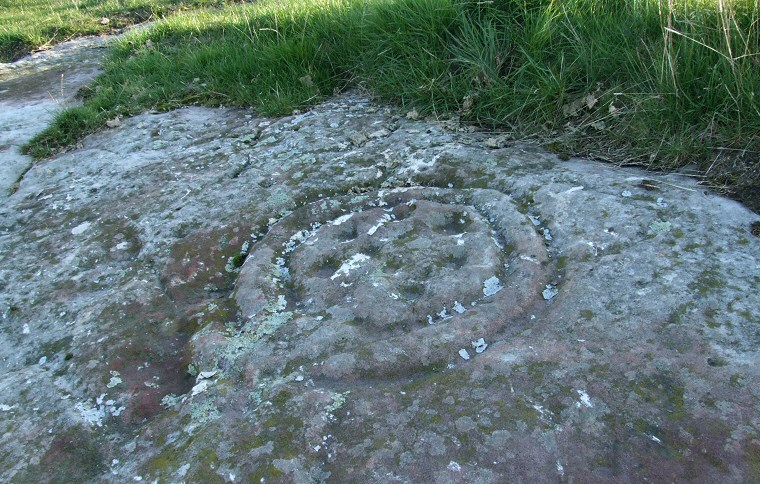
x,y
32,90
347,295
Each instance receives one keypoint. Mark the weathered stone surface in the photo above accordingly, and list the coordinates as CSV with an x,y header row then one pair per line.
x,y
32,90
207,295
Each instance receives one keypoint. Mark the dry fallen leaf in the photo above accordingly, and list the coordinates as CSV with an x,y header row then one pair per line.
x,y
497,142
306,80
591,101
467,103
413,115
357,139
573,108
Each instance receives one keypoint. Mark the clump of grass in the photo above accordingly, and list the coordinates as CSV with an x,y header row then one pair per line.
x,y
26,25
67,128
14,45
658,83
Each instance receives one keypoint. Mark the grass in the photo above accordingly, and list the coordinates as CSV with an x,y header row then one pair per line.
x,y
658,83
27,25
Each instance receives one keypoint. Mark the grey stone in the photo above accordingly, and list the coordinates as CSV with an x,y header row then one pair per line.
x,y
479,346
113,262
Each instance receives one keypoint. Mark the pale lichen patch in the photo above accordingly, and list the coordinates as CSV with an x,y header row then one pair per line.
x,y
491,286
353,263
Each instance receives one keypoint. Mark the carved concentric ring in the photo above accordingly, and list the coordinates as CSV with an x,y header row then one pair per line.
x,y
393,281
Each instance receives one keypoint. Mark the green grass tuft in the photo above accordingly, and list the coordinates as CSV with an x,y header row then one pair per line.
x,y
66,129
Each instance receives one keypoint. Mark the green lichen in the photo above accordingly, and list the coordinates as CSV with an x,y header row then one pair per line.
x,y
615,248
752,456
737,380
708,281
338,400
204,412
521,410
453,261
692,247
170,458
524,202
710,315
562,262
206,462
53,348
430,418
285,432
538,370
648,428
663,391
281,399
678,315
587,314
442,177
365,354
393,264
659,227
170,400
265,472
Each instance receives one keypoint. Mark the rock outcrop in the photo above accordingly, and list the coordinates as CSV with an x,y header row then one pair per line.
x,y
354,295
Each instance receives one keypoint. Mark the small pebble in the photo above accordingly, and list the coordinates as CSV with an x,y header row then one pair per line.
x,y
479,345
549,292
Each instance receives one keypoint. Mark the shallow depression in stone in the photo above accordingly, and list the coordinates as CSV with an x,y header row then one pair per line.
x,y
395,277
390,267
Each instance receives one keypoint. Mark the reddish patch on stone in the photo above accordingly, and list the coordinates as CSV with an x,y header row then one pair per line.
x,y
149,347
72,457
153,361
152,358
196,266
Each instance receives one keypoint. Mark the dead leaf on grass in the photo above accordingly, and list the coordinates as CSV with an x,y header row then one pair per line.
x,y
306,80
497,142
586,102
113,123
467,103
591,101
